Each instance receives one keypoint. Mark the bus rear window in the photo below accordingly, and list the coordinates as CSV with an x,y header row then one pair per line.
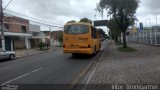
x,y
76,29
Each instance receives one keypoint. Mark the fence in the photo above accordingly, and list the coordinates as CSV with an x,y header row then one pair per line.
x,y
147,36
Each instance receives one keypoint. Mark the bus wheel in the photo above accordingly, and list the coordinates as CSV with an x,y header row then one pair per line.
x,y
98,50
95,51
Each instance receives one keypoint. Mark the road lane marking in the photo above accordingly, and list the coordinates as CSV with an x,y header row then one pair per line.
x,y
4,68
14,79
36,70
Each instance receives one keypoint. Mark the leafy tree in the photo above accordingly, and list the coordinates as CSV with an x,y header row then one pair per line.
x,y
101,31
106,36
114,30
41,45
122,11
71,21
86,20
60,39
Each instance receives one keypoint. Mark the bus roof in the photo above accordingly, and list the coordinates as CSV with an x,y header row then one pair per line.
x,y
81,23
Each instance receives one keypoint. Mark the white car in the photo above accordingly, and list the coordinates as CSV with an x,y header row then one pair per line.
x,y
7,54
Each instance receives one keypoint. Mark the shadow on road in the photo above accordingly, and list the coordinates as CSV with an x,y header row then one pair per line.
x,y
82,57
4,60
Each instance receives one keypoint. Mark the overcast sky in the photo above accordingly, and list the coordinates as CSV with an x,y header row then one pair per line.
x,y
61,11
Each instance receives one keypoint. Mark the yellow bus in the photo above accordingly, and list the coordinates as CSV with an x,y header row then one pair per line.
x,y
80,38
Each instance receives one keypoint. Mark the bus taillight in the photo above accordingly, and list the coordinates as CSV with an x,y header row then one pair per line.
x,y
63,45
89,46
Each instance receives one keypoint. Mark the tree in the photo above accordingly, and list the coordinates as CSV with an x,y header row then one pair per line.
x,y
71,21
114,30
60,39
102,32
86,20
122,11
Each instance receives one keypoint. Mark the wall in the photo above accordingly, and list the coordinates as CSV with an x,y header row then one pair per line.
x,y
15,24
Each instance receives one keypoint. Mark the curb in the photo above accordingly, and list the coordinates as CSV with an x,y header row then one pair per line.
x,y
81,75
95,68
19,57
89,67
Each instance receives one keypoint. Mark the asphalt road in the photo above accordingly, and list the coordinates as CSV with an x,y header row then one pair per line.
x,y
44,71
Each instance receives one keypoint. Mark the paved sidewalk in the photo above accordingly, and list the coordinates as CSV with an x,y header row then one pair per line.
x,y
115,67
30,52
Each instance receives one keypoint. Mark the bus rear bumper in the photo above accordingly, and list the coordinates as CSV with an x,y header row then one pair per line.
x,y
80,51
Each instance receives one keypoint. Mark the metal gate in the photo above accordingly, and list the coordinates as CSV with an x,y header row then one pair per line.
x,y
8,43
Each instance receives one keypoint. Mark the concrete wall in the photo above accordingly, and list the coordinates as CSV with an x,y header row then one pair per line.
x,y
15,24
15,27
34,28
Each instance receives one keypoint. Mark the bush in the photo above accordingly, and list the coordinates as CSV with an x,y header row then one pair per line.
x,y
60,39
128,49
41,45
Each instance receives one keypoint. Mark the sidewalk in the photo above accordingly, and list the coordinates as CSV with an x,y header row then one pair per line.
x,y
115,67
31,52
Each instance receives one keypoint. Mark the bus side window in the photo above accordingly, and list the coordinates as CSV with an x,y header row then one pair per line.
x,y
94,32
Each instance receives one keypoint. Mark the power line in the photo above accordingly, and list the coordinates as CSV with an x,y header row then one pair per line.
x,y
30,17
16,23
22,14
42,23
26,16
7,4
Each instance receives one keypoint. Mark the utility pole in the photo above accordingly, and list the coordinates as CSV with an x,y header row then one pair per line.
x,y
1,22
155,31
150,31
51,40
50,31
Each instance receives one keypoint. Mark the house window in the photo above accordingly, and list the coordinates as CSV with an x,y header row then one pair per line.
x,y
6,26
24,29
35,34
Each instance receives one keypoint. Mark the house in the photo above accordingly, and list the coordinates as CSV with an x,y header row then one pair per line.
x,y
52,37
16,32
36,35
47,37
56,35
